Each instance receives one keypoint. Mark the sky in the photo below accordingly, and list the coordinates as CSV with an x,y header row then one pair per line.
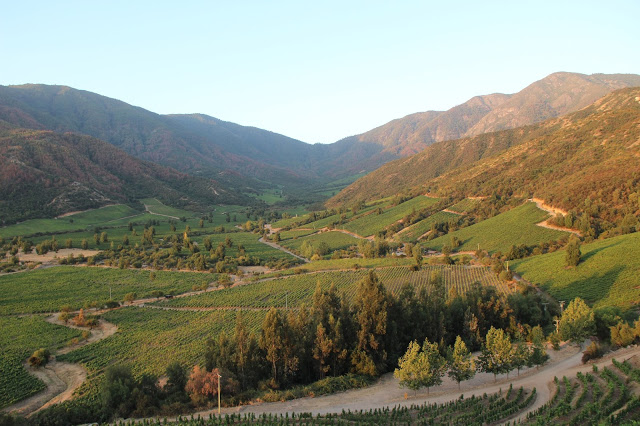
x,y
315,71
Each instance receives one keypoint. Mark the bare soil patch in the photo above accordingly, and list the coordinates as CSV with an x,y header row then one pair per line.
x,y
52,256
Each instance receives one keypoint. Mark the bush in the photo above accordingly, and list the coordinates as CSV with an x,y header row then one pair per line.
x,y
39,358
594,351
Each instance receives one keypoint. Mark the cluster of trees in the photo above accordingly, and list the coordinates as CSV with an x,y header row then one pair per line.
x,y
366,336
597,218
424,366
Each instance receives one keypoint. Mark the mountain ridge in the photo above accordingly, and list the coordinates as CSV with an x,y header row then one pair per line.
x,y
592,154
44,173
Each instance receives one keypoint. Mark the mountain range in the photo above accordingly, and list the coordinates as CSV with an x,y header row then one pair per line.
x,y
589,159
238,160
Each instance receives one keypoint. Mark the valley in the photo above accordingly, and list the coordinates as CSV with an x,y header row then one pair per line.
x,y
300,280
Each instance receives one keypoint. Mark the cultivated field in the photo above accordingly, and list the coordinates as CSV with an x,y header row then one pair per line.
x,y
514,227
607,274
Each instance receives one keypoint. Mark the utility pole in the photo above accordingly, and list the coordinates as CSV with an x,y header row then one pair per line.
x,y
286,300
110,298
219,377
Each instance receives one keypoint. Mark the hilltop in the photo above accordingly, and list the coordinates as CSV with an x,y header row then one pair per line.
x,y
250,159
552,96
588,161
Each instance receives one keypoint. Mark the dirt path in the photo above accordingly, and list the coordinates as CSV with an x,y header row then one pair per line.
x,y
386,392
353,234
61,378
451,211
146,207
279,247
553,211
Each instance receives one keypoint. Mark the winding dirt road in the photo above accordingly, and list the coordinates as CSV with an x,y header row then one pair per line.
x,y
553,211
61,378
387,393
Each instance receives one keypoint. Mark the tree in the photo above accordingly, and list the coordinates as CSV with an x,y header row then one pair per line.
x,y
538,354
39,358
521,355
370,312
577,322
69,243
461,365
322,348
84,244
202,384
64,317
572,255
417,255
116,390
497,353
421,367
622,334
272,340
174,389
130,297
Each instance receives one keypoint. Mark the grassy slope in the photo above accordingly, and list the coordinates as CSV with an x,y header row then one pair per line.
x,y
499,233
299,289
77,221
335,240
416,230
372,223
46,290
149,340
607,275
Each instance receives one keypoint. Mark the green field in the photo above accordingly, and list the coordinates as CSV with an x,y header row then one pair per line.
x,y
78,221
514,227
334,239
373,222
298,289
295,233
19,338
150,339
252,246
465,205
46,290
608,274
416,230
154,206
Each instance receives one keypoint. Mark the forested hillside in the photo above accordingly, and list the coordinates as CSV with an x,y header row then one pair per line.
x,y
587,161
43,173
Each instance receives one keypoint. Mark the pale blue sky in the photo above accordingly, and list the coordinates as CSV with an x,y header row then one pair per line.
x,y
316,71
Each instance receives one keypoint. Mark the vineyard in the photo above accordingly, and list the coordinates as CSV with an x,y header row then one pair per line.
x,y
296,233
334,240
486,409
373,222
465,205
21,336
514,227
298,289
69,223
156,207
416,230
607,274
150,339
591,398
47,290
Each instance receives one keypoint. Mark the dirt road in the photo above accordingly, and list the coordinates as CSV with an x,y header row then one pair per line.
x,y
386,392
61,378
